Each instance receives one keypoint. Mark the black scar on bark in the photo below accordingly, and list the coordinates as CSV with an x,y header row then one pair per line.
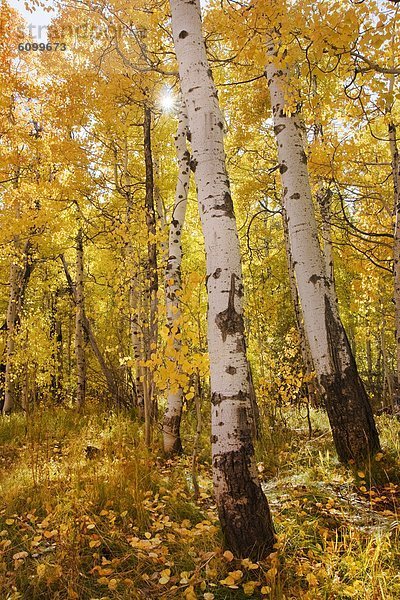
x,y
231,370
282,169
279,128
172,425
346,401
217,273
227,205
315,278
303,157
243,508
193,164
183,34
229,321
295,196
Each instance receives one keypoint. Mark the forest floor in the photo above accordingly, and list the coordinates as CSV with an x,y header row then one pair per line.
x,y
87,512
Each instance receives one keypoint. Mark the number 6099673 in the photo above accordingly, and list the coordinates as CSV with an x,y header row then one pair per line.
x,y
28,46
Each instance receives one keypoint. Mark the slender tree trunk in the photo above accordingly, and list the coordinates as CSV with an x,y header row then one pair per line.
x,y
79,323
172,417
137,345
394,151
19,278
150,338
242,507
107,372
346,401
10,344
56,338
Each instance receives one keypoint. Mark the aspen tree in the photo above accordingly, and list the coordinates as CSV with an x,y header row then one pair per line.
x,y
346,401
242,507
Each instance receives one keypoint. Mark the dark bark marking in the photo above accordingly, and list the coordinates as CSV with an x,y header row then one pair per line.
x,y
282,169
231,370
347,404
279,128
183,34
243,509
172,426
315,278
229,321
227,206
217,273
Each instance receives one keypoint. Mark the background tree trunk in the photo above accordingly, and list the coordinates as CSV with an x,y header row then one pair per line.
x,y
19,278
242,507
150,338
172,417
79,323
394,151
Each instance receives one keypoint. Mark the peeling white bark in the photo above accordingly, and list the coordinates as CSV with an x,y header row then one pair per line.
x,y
172,418
242,506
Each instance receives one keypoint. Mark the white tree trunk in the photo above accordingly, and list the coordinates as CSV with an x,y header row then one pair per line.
x,y
347,404
79,323
172,418
242,507
304,347
394,151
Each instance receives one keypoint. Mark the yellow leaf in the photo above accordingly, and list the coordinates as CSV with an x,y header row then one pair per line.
x,y
265,589
271,573
49,534
228,555
312,580
41,570
112,584
227,581
249,587
20,555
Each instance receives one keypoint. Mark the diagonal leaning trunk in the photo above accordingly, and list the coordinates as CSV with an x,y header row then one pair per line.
x,y
172,418
242,507
346,401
